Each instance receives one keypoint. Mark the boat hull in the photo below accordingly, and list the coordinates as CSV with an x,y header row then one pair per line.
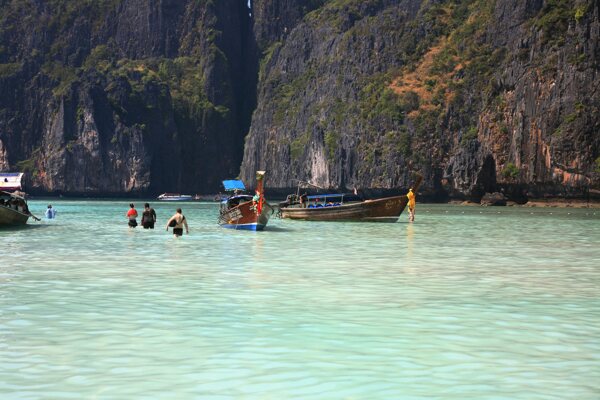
x,y
183,199
245,217
175,198
380,210
10,217
245,227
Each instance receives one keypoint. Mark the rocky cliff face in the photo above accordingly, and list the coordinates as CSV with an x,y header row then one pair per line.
x,y
539,125
275,19
478,96
124,96
142,96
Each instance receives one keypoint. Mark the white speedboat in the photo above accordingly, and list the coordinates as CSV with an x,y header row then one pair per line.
x,y
175,197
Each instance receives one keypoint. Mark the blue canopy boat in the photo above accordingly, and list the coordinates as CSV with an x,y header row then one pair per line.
x,y
245,211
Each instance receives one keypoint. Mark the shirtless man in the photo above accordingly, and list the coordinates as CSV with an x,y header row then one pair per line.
x,y
179,222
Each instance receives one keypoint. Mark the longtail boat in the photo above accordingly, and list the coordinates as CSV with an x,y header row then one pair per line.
x,y
245,211
13,206
344,207
13,209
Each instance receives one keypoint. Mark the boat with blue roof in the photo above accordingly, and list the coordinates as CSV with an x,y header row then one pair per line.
x,y
244,211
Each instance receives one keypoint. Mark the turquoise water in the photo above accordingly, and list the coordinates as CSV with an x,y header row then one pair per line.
x,y
466,303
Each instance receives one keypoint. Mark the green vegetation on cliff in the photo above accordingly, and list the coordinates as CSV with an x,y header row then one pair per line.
x,y
354,91
143,93
472,93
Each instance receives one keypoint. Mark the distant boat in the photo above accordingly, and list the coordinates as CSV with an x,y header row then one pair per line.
x,y
10,181
344,207
13,206
175,197
245,211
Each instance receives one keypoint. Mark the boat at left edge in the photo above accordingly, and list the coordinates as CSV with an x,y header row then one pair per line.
x,y
14,210
244,211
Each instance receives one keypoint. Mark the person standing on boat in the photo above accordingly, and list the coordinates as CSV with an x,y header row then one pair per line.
x,y
411,205
148,217
178,221
50,212
132,214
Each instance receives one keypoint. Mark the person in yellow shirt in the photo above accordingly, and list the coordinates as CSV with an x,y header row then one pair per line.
x,y
411,205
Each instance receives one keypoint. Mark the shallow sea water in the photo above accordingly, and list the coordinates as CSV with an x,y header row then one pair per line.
x,y
466,303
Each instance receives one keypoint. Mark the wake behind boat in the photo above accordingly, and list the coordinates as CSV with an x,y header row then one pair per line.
x,y
344,207
244,211
175,197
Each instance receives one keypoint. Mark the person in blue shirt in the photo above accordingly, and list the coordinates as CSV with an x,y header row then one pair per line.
x,y
50,212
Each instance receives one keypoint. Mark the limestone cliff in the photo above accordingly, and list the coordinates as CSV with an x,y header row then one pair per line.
x,y
141,96
109,97
478,96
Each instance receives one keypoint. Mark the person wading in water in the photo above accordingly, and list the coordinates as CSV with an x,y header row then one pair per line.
x,y
411,205
132,214
148,217
177,222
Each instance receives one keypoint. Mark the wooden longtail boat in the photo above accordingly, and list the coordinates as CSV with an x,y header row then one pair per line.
x,y
13,206
344,207
244,211
13,209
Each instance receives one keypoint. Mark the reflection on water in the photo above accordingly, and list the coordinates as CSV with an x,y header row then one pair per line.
x,y
410,232
464,303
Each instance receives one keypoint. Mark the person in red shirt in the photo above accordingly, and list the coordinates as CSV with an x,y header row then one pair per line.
x,y
132,215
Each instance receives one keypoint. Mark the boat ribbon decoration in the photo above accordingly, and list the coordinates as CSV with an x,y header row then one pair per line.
x,y
259,197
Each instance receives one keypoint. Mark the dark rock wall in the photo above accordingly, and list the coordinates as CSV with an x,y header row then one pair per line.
x,y
275,19
125,96
144,96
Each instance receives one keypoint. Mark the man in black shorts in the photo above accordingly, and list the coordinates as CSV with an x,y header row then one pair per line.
x,y
178,221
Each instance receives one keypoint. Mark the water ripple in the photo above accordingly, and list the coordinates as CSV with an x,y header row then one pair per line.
x,y
462,304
